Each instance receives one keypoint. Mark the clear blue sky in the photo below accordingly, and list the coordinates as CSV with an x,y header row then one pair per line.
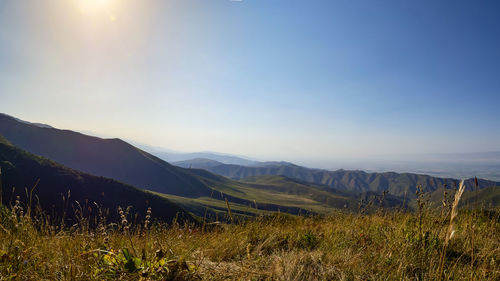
x,y
270,79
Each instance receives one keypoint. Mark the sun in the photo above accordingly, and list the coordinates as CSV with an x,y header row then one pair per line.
x,y
98,9
93,6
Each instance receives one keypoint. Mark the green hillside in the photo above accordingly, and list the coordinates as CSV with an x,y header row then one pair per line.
x,y
398,184
484,198
262,195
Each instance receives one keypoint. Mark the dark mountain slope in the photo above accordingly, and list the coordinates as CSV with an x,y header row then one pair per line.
x,y
111,158
397,184
21,170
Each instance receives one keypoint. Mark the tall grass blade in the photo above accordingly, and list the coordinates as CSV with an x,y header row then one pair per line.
x,y
451,231
229,211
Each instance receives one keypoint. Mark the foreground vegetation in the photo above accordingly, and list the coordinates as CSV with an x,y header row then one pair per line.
x,y
343,246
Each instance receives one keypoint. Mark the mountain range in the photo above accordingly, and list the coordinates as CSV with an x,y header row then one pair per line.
x,y
398,184
200,186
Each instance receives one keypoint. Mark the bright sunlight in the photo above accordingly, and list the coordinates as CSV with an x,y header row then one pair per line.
x,y
97,8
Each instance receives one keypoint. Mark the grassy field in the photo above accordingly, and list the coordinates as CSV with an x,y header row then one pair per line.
x,y
385,245
268,194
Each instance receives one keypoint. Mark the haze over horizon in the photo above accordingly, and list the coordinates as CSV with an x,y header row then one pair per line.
x,y
277,80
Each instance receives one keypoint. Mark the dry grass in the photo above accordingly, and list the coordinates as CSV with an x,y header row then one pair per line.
x,y
344,246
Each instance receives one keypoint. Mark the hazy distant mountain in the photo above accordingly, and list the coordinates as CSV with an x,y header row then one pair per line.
x,y
198,163
272,164
397,184
21,170
202,163
223,158
111,158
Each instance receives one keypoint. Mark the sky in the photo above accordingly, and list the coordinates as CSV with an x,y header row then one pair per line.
x,y
270,79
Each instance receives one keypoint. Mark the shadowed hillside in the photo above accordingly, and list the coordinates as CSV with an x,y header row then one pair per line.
x,y
111,158
21,170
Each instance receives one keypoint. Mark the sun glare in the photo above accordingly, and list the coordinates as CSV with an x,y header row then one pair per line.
x,y
93,6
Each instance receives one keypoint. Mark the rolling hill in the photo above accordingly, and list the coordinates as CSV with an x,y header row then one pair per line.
x,y
483,198
267,194
111,158
21,170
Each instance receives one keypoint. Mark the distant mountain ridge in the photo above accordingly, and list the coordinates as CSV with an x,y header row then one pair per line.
x,y
223,158
398,184
198,163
